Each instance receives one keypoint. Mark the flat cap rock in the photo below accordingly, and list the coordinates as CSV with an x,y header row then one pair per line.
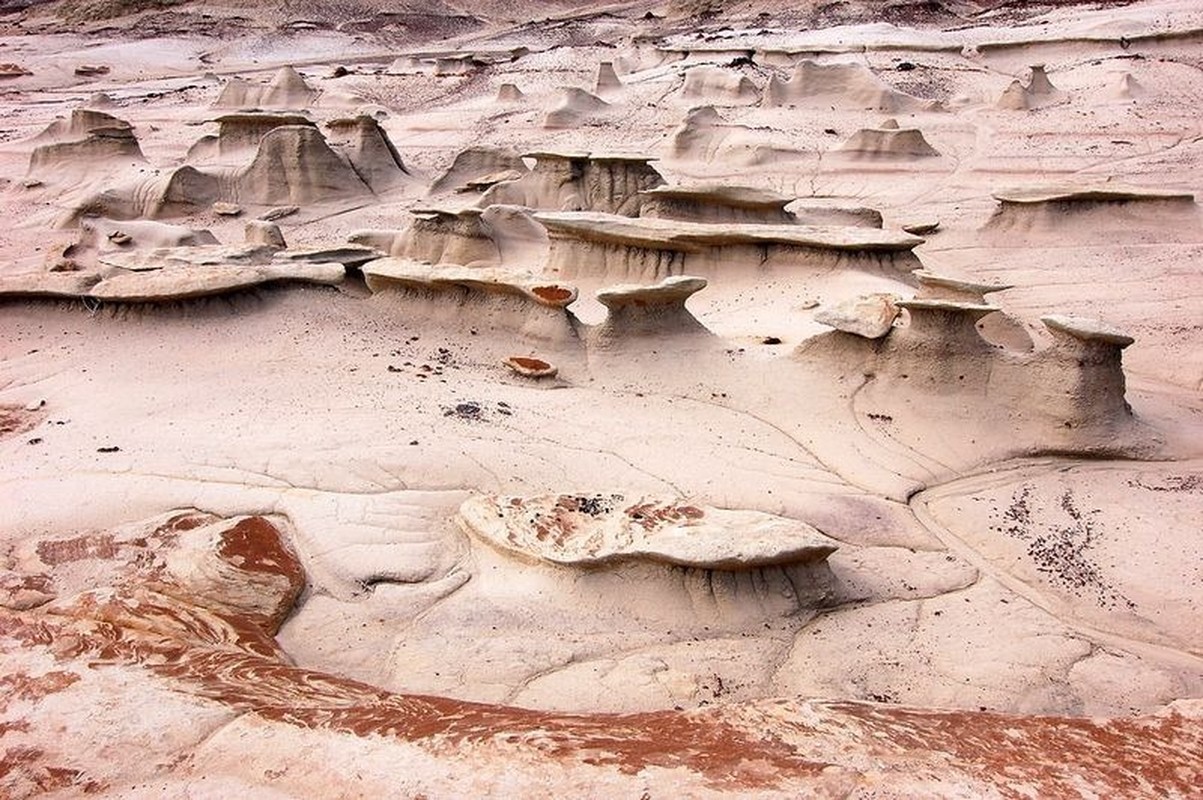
x,y
1087,329
673,290
586,530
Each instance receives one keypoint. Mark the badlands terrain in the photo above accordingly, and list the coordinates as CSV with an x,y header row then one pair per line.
x,y
641,400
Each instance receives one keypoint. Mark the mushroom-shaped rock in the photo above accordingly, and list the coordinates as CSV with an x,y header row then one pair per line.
x,y
659,309
942,287
484,182
1087,369
593,530
999,329
1086,332
870,316
1038,82
1071,212
531,367
947,325
575,106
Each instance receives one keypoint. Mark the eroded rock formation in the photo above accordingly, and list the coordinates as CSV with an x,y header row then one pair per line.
x,y
646,250
842,85
579,182
640,312
287,89
500,299
716,204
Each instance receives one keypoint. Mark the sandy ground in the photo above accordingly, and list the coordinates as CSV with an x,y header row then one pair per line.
x,y
991,558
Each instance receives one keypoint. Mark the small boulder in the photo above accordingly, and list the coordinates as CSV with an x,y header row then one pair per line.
x,y
870,316
226,209
258,232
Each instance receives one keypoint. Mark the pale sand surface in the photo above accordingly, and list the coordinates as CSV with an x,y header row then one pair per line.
x,y
737,552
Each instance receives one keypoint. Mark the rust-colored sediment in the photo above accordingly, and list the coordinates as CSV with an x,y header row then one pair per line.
x,y
651,515
533,364
556,295
15,420
233,660
80,548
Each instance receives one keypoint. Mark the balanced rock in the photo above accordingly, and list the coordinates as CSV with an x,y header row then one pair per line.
x,y
870,316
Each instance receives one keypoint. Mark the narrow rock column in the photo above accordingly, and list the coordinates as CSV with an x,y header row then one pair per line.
x,y
1088,355
658,310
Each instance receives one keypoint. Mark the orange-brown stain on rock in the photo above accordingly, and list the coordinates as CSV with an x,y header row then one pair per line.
x,y
552,294
1128,756
15,420
650,516
255,545
20,686
21,765
182,639
533,364
63,551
